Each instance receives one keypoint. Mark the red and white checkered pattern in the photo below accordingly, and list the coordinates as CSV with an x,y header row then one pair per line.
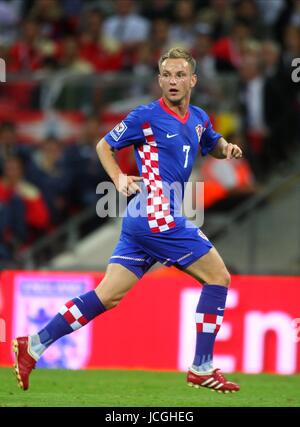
x,y
158,206
209,323
73,315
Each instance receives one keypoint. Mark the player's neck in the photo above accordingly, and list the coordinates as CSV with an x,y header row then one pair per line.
x,y
179,109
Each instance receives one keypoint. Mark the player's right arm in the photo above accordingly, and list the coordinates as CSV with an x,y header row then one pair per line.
x,y
125,184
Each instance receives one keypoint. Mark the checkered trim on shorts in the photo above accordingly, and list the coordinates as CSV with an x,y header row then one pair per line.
x,y
73,315
209,323
158,206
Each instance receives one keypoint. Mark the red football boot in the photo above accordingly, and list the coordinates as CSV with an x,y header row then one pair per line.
x,y
213,380
24,361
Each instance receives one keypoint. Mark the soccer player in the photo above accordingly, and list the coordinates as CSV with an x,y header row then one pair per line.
x,y
166,135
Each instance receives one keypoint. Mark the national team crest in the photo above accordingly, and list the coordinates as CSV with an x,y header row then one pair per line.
x,y
36,301
199,131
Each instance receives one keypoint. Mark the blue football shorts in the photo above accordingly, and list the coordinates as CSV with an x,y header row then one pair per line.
x,y
179,246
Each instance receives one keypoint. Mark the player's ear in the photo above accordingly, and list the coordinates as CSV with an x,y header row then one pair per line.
x,y
159,80
193,80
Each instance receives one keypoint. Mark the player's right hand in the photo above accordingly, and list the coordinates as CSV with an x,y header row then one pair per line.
x,y
127,184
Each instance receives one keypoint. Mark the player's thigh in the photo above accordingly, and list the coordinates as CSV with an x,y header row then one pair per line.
x,y
210,269
118,280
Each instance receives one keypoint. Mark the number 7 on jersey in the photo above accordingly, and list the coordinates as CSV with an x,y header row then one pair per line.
x,y
186,148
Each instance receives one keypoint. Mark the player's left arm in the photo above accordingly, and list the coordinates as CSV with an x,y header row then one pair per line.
x,y
226,150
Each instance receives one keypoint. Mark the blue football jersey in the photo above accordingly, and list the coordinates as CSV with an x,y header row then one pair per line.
x,y
166,147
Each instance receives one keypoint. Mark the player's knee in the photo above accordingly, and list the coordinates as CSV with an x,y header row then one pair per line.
x,y
226,278
221,277
108,298
110,301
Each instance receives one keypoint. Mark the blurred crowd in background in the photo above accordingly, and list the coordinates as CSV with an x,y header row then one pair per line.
x,y
244,50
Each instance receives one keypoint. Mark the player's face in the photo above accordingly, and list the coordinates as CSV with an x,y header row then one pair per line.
x,y
176,80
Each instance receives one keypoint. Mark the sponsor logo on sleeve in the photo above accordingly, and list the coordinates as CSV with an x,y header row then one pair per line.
x,y
118,131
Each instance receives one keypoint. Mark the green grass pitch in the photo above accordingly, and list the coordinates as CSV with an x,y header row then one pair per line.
x,y
121,388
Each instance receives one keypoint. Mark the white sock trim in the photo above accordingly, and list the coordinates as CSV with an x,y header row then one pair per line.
x,y
201,372
31,351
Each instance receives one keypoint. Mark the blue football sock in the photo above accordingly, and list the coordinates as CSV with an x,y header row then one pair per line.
x,y
209,316
72,316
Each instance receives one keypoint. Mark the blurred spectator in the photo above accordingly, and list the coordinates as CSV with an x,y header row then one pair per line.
x,y
219,16
27,56
291,46
208,88
159,38
266,111
49,13
294,15
102,52
82,164
182,32
248,12
157,9
127,28
227,183
253,104
70,59
13,184
270,54
228,50
290,15
202,52
72,10
71,93
280,105
13,229
47,172
143,69
10,146
9,17
148,55
270,11
25,53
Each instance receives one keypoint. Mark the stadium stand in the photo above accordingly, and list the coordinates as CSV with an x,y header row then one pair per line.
x,y
74,70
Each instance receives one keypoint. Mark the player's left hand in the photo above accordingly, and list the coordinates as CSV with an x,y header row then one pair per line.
x,y
233,151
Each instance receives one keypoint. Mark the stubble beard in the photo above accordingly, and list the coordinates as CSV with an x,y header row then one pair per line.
x,y
175,102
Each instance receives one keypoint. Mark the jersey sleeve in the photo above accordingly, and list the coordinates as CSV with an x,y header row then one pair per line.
x,y
127,132
209,137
